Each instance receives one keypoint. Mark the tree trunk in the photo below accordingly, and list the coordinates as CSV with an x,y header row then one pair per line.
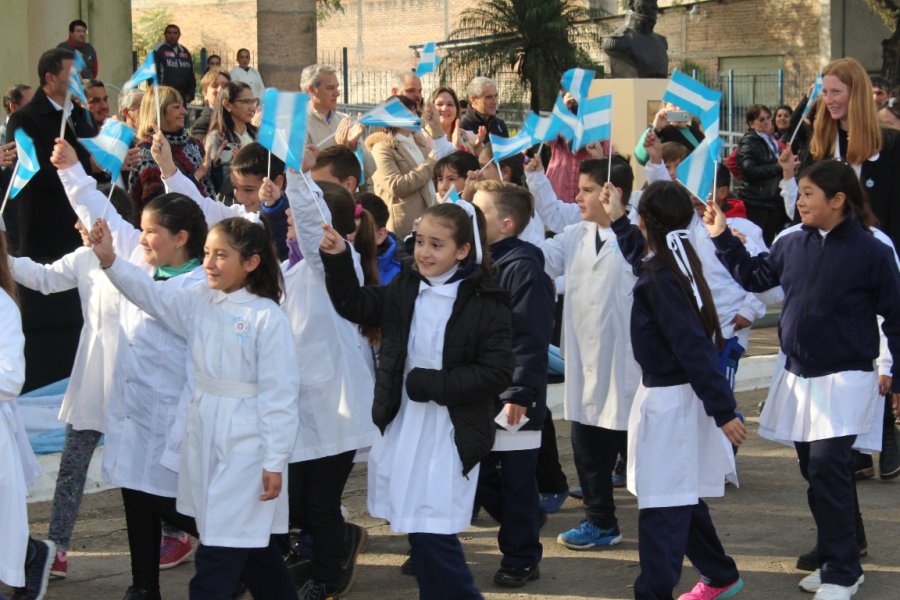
x,y
890,56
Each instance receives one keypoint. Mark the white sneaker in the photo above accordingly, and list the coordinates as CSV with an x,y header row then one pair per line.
x,y
813,582
832,591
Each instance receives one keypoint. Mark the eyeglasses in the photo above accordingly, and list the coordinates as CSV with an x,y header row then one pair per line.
x,y
763,119
248,101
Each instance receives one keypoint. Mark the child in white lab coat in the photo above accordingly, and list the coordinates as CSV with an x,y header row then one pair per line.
x,y
445,356
243,417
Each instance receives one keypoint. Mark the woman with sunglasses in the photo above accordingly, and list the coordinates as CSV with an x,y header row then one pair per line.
x,y
757,158
230,129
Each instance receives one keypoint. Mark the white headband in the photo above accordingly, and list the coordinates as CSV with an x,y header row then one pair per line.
x,y
470,210
673,241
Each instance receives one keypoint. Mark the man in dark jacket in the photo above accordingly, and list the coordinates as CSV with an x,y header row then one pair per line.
x,y
174,64
507,485
483,101
78,41
45,222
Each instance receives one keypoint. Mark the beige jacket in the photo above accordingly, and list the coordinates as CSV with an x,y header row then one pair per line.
x,y
318,130
400,181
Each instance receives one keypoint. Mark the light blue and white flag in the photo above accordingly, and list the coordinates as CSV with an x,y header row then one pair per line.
x,y
282,130
503,147
578,82
817,89
27,165
391,113
564,121
110,146
689,94
698,170
428,61
146,72
542,129
451,196
594,121
76,87
710,122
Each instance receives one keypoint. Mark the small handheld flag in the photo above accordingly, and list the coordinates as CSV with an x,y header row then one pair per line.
x,y
697,172
578,82
146,72
505,147
689,94
283,128
428,61
451,196
542,129
817,89
27,165
110,146
594,121
565,123
391,113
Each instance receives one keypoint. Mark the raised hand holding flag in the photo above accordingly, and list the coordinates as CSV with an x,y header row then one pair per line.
x,y
816,90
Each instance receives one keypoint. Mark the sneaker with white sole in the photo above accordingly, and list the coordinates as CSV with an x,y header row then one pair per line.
x,y
587,535
832,591
813,582
704,591
174,550
37,572
60,566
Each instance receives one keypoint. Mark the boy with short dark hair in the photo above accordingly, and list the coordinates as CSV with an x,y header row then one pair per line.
x,y
249,167
390,250
507,486
338,164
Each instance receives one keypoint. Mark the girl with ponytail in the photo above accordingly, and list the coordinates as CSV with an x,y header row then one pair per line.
x,y
683,422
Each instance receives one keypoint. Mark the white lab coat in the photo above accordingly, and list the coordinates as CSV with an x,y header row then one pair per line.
x,y
336,365
86,400
243,414
601,373
151,367
18,468
252,78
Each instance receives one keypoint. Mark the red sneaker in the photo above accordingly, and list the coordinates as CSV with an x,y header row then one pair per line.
x,y
174,550
60,566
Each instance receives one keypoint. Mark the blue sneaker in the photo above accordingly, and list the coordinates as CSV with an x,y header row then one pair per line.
x,y
619,480
551,503
587,535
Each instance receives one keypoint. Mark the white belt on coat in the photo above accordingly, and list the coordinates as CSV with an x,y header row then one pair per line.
x,y
228,389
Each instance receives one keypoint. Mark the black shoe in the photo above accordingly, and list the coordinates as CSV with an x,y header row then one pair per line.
x,y
299,569
810,560
516,576
407,568
135,593
37,571
314,590
863,468
355,538
889,459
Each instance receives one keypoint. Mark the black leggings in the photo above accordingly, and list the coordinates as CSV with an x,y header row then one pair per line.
x,y
144,514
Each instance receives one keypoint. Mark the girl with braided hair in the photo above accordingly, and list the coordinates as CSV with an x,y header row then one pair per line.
x,y
682,422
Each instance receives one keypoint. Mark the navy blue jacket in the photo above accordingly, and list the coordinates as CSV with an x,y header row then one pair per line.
x,y
521,273
668,339
276,217
833,289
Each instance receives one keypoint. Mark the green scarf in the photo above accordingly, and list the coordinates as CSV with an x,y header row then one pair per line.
x,y
169,272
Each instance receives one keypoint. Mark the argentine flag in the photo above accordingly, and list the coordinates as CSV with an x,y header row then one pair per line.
x,y
505,147
578,82
697,171
817,89
689,94
428,61
710,122
391,113
110,146
452,196
542,129
27,165
76,87
594,121
146,72
565,123
283,128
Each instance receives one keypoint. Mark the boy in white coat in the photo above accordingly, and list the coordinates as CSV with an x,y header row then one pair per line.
x,y
601,373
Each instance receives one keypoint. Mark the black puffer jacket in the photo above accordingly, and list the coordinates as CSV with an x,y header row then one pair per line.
x,y
478,359
760,172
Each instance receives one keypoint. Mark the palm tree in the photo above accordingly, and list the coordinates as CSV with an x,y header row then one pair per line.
x,y
538,39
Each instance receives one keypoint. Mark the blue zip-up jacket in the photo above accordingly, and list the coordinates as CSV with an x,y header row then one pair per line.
x,y
276,217
833,289
667,336
388,259
520,268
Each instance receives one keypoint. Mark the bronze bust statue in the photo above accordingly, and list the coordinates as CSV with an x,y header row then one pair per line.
x,y
634,50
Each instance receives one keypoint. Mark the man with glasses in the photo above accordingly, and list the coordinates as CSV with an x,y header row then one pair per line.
x,y
78,41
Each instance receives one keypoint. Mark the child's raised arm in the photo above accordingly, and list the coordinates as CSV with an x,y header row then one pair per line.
x,y
358,304
59,276
754,273
556,214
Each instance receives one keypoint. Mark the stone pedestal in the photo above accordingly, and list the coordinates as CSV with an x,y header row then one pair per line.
x,y
634,104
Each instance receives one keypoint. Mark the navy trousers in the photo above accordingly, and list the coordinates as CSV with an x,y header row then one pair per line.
x,y
441,568
550,476
220,569
665,537
595,450
507,490
828,467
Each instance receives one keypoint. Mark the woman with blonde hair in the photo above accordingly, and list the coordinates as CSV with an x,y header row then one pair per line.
x,y
145,182
210,84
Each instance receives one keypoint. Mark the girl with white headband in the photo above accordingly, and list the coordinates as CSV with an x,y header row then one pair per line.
x,y
446,354
683,420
